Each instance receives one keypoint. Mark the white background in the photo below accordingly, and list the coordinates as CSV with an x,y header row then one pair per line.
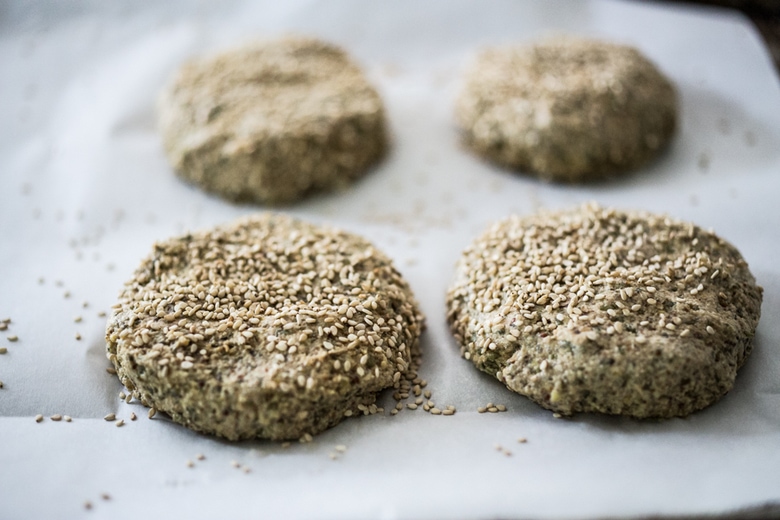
x,y
85,190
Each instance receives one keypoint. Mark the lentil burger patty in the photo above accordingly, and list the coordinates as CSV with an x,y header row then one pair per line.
x,y
272,121
566,109
598,310
268,327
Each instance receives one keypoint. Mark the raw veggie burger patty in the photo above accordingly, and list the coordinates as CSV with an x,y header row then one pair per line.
x,y
272,121
598,310
268,327
566,109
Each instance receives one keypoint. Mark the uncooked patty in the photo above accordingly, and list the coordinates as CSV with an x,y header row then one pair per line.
x,y
566,109
268,327
272,121
598,310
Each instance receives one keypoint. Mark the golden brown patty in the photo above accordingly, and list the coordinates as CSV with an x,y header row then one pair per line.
x,y
566,109
272,121
598,310
267,327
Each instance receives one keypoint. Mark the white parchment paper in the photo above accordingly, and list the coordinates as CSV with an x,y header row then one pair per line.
x,y
85,191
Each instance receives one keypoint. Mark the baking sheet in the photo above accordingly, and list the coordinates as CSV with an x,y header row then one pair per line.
x,y
86,191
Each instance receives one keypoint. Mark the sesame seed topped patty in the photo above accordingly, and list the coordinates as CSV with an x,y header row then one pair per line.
x,y
566,109
598,310
272,121
267,327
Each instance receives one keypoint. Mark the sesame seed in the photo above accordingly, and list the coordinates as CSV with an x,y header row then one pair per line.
x,y
12,338
111,370
120,423
105,496
3,326
710,330
448,412
493,409
235,464
77,319
67,418
78,336
3,350
1,384
522,440
411,406
133,416
38,418
87,505
482,409
435,411
109,417
190,464
152,412
501,408
56,417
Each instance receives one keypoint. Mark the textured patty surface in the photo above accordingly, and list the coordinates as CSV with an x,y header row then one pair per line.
x,y
598,310
268,327
272,121
566,109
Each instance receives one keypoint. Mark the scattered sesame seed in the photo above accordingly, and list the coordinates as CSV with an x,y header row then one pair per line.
x,y
87,505
12,338
3,350
38,418
247,469
200,456
710,330
122,396
448,412
435,411
105,496
482,409
78,336
66,294
101,314
411,406
56,417
190,464
235,464
1,384
133,416
285,445
67,418
77,319
501,407
493,409
152,412
110,417
120,423
522,440
111,370
3,326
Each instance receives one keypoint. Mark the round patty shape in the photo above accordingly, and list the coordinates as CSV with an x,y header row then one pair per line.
x,y
597,310
566,109
269,327
272,121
